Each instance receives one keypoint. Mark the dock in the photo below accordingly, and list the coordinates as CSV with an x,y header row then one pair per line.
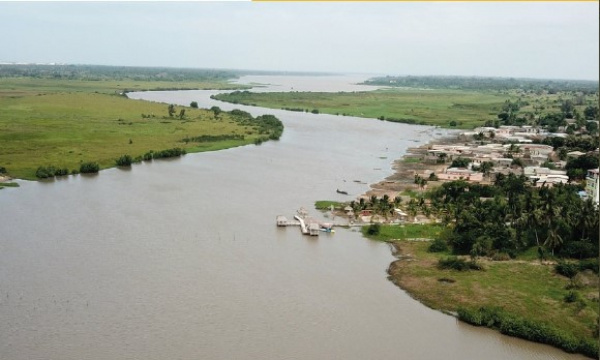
x,y
308,225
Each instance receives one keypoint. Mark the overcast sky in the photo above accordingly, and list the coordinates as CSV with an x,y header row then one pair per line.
x,y
534,39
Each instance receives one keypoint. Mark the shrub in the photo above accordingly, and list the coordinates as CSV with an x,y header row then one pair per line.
x,y
511,325
194,104
124,160
89,168
61,172
2,170
438,245
373,229
589,264
567,269
571,297
44,172
455,263
501,256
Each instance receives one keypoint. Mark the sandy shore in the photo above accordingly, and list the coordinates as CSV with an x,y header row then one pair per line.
x,y
405,171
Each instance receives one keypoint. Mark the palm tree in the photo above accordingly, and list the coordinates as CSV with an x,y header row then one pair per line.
x,y
553,240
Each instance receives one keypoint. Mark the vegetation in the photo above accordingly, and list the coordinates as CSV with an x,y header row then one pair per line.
x,y
8,184
486,83
537,331
65,120
537,246
449,102
530,297
327,204
406,106
125,160
89,168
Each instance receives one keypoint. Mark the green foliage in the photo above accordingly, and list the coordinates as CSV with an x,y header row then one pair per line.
x,y
460,162
572,296
512,325
326,204
568,269
44,172
124,160
2,170
168,153
89,168
194,104
589,264
458,264
438,245
484,83
213,138
374,229
577,167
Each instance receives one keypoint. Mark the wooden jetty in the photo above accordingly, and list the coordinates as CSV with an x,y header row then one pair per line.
x,y
308,225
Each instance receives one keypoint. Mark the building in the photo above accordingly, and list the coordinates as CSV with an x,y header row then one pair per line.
x,y
592,185
452,174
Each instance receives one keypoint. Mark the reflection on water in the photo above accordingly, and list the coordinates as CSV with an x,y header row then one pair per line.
x,y
182,259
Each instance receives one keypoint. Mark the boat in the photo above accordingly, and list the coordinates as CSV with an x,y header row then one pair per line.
x,y
341,192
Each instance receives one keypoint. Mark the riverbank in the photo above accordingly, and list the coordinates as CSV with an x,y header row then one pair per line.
x,y
522,290
63,129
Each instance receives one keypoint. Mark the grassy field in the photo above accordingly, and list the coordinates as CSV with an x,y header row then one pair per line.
x,y
432,107
65,122
448,108
525,289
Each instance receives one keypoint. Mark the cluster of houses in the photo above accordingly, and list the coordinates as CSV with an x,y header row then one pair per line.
x,y
511,150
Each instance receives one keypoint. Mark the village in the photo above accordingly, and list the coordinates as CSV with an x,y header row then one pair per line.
x,y
479,156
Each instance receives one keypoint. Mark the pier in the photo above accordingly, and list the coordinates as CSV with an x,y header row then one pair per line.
x,y
308,225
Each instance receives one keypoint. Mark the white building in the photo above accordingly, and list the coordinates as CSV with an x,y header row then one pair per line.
x,y
592,185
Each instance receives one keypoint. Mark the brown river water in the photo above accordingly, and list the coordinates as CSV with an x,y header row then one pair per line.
x,y
181,259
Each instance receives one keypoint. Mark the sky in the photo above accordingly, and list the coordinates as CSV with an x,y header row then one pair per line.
x,y
557,40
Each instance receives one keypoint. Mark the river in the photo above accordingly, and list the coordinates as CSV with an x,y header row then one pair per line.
x,y
181,259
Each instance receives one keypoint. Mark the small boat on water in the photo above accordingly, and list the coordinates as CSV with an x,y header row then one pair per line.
x,y
341,192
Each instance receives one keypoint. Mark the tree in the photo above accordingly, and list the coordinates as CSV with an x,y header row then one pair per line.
x,y
194,104
591,113
181,114
171,110
460,162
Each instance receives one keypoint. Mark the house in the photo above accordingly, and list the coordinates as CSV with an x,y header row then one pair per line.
x,y
452,174
575,154
592,185
551,180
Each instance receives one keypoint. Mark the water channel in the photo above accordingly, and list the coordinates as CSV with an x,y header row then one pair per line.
x,y
181,259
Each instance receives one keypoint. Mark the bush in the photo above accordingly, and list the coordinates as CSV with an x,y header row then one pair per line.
x,y
501,256
589,264
194,104
44,172
373,229
571,297
455,263
89,168
2,170
511,325
438,245
124,160
566,269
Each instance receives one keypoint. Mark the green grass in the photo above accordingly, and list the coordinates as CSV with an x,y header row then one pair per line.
x,y
8,184
19,86
407,231
64,123
326,204
524,289
432,107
